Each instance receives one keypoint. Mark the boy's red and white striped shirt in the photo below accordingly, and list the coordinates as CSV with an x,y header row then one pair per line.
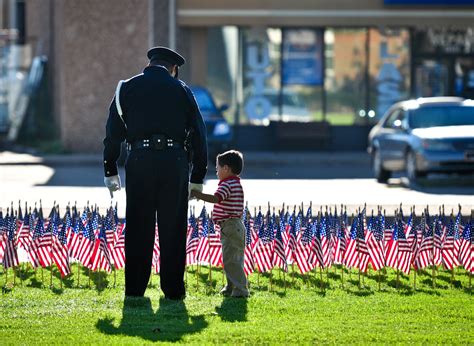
x,y
231,199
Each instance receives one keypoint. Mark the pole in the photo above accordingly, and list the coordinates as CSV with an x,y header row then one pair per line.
x,y
284,281
89,282
414,281
115,276
271,284
78,274
321,278
51,277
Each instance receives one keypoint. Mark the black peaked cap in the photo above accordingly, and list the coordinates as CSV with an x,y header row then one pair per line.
x,y
166,54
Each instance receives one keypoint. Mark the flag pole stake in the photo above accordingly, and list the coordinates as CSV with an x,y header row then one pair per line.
x,y
398,278
414,280
78,274
452,277
51,277
14,276
61,283
6,276
197,276
89,281
433,276
115,276
42,276
327,277
379,279
321,278
223,275
258,279
359,277
284,281
210,275
342,276
271,284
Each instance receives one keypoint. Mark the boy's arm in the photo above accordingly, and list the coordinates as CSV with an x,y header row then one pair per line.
x,y
204,196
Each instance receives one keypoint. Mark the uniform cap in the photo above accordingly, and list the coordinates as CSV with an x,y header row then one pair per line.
x,y
166,54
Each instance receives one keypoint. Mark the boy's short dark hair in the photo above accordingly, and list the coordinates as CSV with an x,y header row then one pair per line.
x,y
232,158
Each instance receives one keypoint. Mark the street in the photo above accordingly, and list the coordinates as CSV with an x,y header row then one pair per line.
x,y
276,178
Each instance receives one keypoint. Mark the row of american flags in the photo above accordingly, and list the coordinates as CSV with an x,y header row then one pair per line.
x,y
273,240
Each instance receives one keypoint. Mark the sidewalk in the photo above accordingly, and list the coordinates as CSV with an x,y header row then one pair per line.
x,y
251,158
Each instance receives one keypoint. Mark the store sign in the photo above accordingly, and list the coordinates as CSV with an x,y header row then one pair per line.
x,y
451,41
302,57
257,105
388,81
429,2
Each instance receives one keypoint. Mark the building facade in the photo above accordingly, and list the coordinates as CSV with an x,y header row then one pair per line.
x,y
274,63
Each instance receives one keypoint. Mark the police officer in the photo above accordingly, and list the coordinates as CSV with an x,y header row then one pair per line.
x,y
156,114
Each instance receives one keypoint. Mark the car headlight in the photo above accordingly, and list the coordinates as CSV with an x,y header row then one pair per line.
x,y
436,145
221,129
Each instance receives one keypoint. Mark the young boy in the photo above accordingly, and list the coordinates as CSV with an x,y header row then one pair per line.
x,y
227,212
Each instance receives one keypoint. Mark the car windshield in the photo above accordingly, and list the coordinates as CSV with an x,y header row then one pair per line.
x,y
441,116
204,100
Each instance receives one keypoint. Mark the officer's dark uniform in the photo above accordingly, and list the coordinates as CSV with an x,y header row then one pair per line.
x,y
158,111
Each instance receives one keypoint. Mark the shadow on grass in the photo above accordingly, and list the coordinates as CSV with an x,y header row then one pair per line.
x,y
170,322
233,309
99,279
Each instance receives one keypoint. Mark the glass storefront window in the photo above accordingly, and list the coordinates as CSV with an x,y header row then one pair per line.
x,y
345,75
389,68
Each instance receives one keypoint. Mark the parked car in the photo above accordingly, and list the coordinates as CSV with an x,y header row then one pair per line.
x,y
219,132
424,136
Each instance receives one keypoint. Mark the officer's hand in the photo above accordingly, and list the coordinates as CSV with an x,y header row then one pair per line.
x,y
193,186
113,184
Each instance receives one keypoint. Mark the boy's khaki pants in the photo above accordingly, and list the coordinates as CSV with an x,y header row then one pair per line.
x,y
233,245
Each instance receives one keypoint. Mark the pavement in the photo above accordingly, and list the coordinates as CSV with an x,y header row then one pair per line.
x,y
269,178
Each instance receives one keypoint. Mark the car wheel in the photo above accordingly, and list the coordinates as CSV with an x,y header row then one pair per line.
x,y
410,163
381,174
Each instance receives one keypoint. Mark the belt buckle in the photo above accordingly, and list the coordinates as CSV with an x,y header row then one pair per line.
x,y
159,141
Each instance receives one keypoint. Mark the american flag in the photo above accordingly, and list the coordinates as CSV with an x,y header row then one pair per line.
x,y
203,251
110,228
357,255
340,243
10,258
438,244
263,253
155,263
466,251
409,225
24,234
399,253
3,236
44,242
88,240
279,256
375,246
424,257
75,237
325,241
193,241
100,256
59,251
215,247
316,252
301,249
250,239
458,231
448,247
118,252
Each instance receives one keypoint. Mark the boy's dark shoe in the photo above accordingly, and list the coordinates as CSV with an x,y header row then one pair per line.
x,y
226,291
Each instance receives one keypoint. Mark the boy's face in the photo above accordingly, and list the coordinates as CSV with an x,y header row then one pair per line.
x,y
223,172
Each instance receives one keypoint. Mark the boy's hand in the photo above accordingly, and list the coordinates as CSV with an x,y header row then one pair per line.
x,y
193,193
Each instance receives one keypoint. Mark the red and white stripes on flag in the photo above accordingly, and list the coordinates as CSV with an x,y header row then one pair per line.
x,y
118,252
155,263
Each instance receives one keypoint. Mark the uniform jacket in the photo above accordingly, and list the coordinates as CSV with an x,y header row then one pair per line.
x,y
154,102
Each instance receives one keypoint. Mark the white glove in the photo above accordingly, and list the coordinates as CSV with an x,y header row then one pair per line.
x,y
193,186
113,184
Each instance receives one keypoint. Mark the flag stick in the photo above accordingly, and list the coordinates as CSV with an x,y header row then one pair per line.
x,y
379,278
398,278
359,276
223,275
258,279
470,280
89,281
321,278
61,282
115,276
6,277
293,270
271,275
51,277
414,280
186,277
284,281
452,277
327,276
42,276
433,274
78,274
100,280
342,275
210,275
151,279
14,276
197,276
21,276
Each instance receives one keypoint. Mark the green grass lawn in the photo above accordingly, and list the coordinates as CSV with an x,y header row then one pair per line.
x,y
283,309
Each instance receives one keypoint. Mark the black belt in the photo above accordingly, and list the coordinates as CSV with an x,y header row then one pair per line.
x,y
157,142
